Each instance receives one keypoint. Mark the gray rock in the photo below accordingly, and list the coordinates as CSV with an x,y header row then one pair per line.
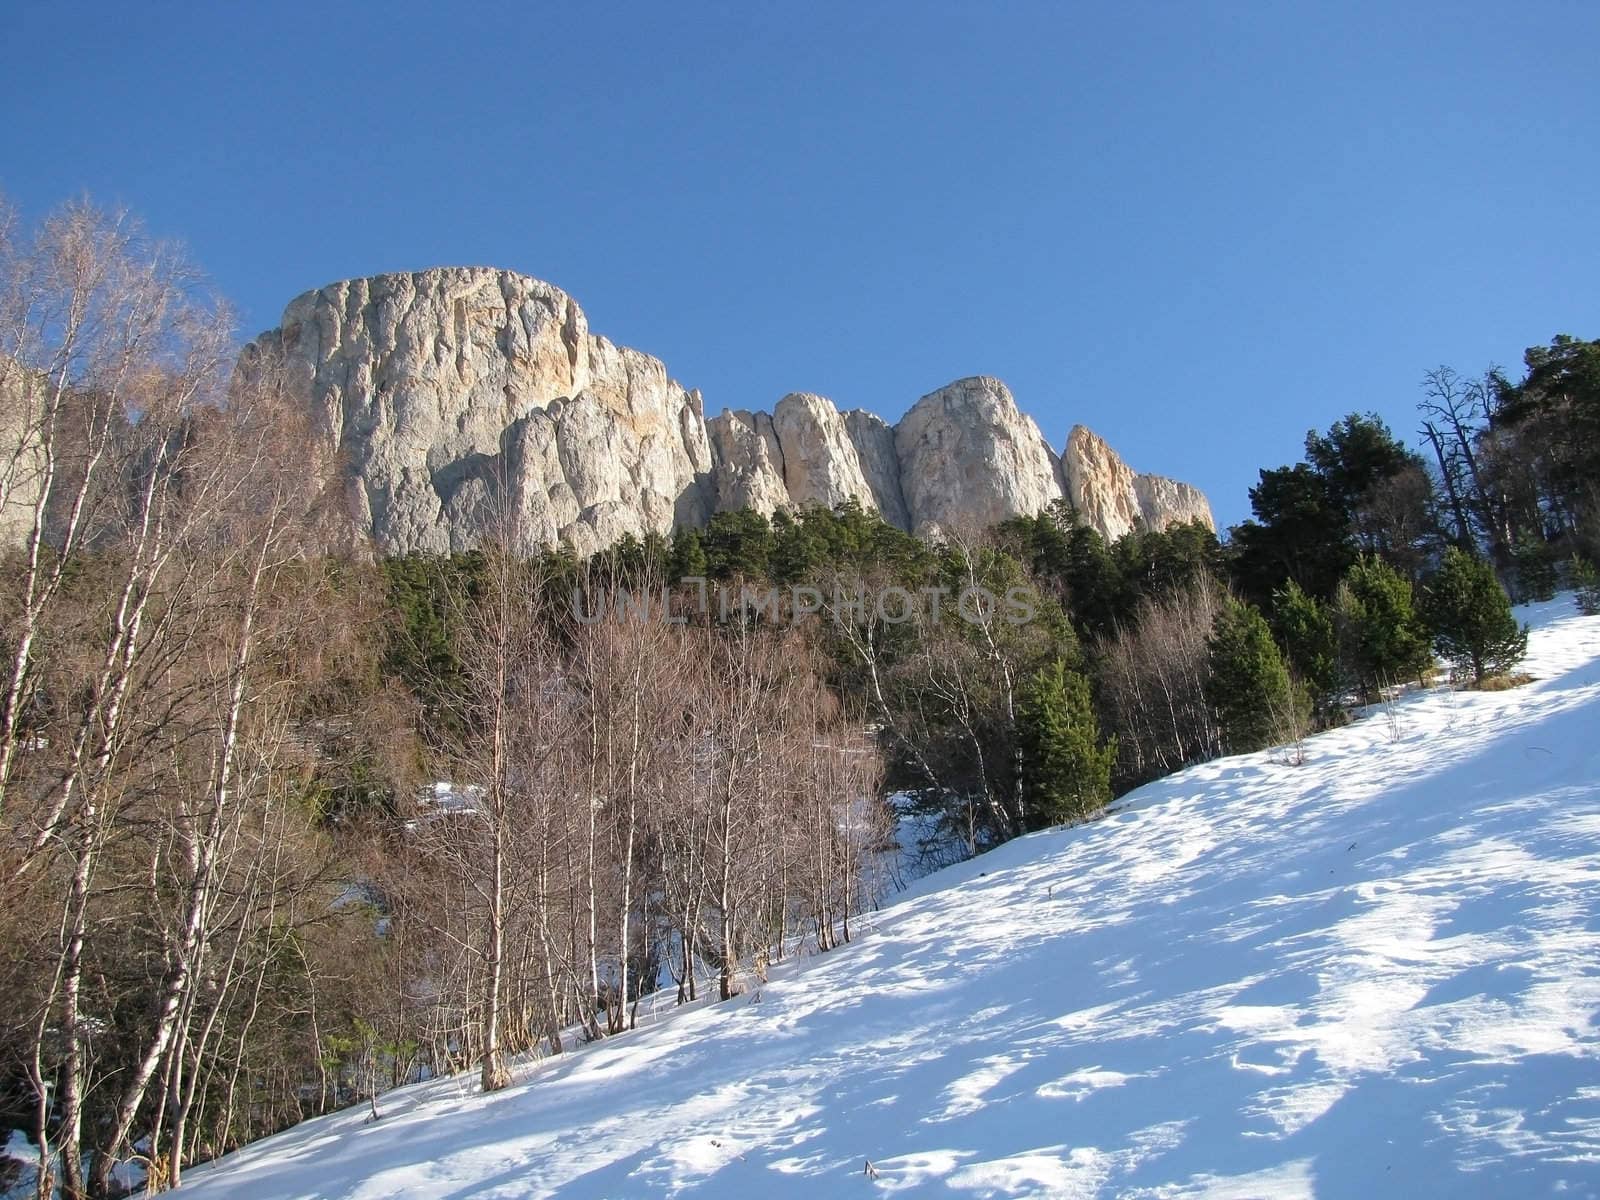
x,y
747,469
465,403
819,460
461,399
22,459
873,438
1164,502
970,458
1113,499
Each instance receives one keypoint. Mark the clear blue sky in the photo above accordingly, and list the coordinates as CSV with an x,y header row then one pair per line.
x,y
1198,228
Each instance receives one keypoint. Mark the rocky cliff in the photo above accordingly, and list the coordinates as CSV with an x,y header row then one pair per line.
x,y
461,400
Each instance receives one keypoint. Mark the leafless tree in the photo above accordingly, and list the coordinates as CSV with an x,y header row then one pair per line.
x,y
1153,673
1456,413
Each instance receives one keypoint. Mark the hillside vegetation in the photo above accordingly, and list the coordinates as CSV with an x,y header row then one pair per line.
x,y
1371,974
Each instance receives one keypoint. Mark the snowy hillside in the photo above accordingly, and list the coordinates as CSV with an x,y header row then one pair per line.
x,y
1377,974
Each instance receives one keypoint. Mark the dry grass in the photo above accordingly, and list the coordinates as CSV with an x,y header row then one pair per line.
x,y
1501,683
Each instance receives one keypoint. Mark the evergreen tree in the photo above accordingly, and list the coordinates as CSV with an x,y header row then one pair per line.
x,y
1470,617
425,593
687,559
1074,562
799,548
1305,627
1586,586
1382,637
1355,456
1359,490
738,545
1536,568
1067,768
1299,533
630,561
1248,685
1094,590
1546,433
1159,562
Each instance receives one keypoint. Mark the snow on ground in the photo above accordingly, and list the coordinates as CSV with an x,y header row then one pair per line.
x,y
1377,974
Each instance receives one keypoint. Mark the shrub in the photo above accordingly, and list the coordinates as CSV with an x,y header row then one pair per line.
x,y
1305,628
1504,683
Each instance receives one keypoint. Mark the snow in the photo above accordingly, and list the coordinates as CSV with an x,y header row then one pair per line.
x,y
1374,974
19,1149
19,1169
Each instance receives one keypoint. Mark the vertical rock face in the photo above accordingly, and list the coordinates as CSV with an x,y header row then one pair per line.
x,y
468,403
1100,484
1115,500
830,457
748,463
873,438
1164,502
970,458
820,463
459,398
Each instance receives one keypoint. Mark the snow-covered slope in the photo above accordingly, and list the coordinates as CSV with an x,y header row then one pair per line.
x,y
1376,974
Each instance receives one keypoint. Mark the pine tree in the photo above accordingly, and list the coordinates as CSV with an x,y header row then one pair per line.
x,y
798,551
687,559
1383,639
1586,586
1067,768
1536,569
1299,532
1470,617
1248,685
1310,640
738,544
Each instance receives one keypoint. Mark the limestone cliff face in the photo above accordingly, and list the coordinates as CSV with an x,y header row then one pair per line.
x,y
970,458
462,397
749,464
461,402
873,438
1164,502
1099,484
1112,498
830,457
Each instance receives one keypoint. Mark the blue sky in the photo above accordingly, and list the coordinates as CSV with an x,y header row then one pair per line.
x,y
1200,229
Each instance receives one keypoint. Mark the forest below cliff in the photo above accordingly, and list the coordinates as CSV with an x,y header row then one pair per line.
x,y
280,828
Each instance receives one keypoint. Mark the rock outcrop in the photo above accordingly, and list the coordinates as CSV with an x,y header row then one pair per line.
x,y
1164,502
462,401
460,397
1099,484
970,458
830,457
873,438
1112,498
749,464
